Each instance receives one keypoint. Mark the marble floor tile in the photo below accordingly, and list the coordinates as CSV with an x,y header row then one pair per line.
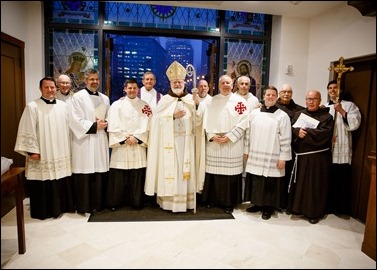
x,y
248,241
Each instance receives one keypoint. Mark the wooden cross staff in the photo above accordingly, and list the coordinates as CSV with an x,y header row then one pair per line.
x,y
340,69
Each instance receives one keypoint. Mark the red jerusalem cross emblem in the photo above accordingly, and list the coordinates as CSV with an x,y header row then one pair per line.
x,y
146,110
240,108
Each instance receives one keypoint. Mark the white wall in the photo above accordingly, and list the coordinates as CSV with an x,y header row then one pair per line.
x,y
23,20
339,32
311,45
308,45
290,46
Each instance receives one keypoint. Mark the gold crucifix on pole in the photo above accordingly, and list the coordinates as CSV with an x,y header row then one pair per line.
x,y
340,69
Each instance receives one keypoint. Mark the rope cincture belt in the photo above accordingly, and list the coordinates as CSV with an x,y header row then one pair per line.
x,y
294,169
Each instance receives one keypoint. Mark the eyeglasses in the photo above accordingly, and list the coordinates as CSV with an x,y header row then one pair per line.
x,y
312,99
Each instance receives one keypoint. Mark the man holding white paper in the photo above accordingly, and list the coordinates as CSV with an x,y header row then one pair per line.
x,y
90,145
309,183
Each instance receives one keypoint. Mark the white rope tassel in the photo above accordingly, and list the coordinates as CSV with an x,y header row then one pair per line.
x,y
294,169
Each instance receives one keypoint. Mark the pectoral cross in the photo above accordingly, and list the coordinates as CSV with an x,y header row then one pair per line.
x,y
340,69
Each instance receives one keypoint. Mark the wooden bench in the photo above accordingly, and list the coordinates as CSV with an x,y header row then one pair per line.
x,y
11,181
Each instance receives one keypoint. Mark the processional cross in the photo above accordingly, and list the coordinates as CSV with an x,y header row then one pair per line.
x,y
340,69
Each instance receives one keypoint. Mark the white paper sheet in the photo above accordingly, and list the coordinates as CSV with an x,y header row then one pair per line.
x,y
305,121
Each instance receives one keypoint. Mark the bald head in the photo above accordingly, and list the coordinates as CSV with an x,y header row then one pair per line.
x,y
64,77
285,93
313,100
203,88
64,84
225,85
286,87
243,85
315,93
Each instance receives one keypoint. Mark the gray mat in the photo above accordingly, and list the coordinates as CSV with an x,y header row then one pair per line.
x,y
128,214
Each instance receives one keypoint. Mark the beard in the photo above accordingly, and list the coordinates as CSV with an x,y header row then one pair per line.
x,y
177,91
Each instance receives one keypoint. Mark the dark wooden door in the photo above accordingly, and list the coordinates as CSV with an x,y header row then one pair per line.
x,y
12,95
361,85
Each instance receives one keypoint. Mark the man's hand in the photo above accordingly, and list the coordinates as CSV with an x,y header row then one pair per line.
x,y
131,141
195,95
179,113
338,107
101,124
220,139
35,156
302,133
281,164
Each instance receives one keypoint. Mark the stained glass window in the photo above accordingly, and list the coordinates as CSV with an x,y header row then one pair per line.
x,y
246,23
72,53
77,12
77,37
250,53
162,17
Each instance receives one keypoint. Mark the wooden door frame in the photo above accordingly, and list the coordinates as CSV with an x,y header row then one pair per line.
x,y
363,90
19,106
13,99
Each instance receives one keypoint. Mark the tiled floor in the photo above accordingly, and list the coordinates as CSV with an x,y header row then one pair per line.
x,y
244,242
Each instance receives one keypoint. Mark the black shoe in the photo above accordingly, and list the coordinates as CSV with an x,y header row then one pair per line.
x,y
228,210
153,204
266,215
313,220
210,205
253,209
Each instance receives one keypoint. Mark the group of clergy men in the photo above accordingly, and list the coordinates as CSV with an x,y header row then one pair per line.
x,y
228,148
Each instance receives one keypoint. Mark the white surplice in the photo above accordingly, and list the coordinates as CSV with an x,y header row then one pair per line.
x,y
171,155
128,117
226,115
268,140
65,98
342,151
44,130
90,152
253,104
